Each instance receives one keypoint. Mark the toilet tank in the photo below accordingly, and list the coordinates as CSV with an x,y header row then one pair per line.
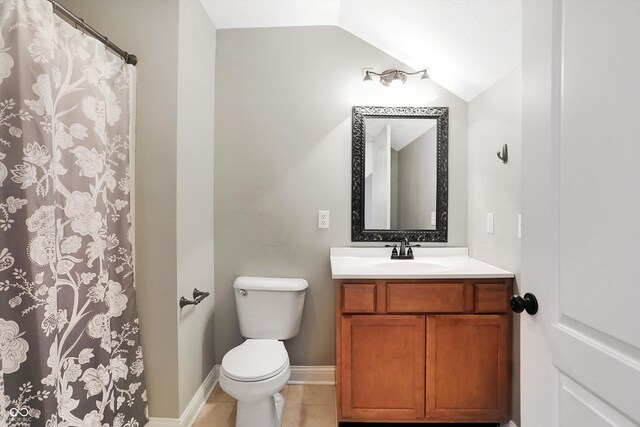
x,y
269,307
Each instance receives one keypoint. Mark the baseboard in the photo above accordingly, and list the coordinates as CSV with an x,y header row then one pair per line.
x,y
190,414
313,375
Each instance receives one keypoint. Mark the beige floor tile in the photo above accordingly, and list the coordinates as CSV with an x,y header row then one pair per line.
x,y
219,395
311,394
309,416
215,414
232,420
306,406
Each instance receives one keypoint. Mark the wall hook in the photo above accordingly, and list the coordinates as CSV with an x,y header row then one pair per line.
x,y
504,155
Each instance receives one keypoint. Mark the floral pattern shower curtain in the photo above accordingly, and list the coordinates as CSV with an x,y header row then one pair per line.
x,y
70,352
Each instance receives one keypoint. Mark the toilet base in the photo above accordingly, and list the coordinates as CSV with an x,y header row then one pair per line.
x,y
265,412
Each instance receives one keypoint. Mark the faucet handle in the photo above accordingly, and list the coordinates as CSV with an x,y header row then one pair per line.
x,y
394,252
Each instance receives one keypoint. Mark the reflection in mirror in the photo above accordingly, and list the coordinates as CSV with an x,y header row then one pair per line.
x,y
400,173
399,180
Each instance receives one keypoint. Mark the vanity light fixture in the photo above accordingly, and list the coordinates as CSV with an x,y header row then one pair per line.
x,y
390,76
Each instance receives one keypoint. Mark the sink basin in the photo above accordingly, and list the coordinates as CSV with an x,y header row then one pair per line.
x,y
413,266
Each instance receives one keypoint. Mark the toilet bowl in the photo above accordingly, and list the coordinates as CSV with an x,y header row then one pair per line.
x,y
254,373
269,310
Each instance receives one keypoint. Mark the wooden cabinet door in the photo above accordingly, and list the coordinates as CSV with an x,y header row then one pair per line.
x,y
382,367
468,367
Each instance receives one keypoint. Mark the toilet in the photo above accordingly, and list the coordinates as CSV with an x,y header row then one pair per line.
x,y
269,311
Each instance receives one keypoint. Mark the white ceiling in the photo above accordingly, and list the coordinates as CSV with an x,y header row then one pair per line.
x,y
467,45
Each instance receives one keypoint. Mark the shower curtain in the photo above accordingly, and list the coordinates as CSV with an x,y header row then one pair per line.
x,y
70,352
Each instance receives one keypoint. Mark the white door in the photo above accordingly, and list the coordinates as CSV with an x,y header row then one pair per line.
x,y
581,213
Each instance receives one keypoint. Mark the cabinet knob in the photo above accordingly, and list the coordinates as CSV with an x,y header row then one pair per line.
x,y
528,303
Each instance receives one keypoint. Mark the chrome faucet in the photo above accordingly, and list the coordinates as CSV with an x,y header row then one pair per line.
x,y
405,250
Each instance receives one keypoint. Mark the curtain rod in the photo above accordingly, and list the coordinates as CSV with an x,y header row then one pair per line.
x,y
58,8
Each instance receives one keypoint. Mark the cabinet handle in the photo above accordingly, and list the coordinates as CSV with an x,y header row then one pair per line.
x,y
528,303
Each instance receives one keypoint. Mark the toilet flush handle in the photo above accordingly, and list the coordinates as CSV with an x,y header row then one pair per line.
x,y
242,292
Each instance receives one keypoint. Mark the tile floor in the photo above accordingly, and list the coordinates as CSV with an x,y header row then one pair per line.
x,y
305,406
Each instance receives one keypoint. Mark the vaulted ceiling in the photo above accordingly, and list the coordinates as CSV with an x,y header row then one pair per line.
x,y
467,45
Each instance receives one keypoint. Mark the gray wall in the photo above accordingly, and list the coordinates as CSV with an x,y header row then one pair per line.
x,y
194,209
149,29
283,151
417,174
494,120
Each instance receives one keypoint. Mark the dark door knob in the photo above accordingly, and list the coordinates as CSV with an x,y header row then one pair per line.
x,y
528,303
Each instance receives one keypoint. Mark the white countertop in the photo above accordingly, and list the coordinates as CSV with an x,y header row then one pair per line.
x,y
429,263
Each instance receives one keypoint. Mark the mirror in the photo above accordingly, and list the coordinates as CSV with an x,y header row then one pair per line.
x,y
399,176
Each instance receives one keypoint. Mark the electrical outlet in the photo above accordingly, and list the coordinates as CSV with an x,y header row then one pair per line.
x,y
490,223
323,219
433,218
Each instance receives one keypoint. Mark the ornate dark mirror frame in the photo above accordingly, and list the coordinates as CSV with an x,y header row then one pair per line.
x,y
358,232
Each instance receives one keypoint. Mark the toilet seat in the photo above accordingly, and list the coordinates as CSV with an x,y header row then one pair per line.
x,y
255,360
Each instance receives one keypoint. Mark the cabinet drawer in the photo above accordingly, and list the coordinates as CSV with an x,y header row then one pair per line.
x,y
425,298
491,298
358,298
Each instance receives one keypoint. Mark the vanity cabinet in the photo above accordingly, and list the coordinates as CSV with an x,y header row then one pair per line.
x,y
423,350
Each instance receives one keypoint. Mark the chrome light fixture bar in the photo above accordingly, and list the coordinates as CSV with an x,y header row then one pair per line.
x,y
389,76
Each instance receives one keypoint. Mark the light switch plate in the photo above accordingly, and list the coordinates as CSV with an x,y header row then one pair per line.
x,y
490,223
520,226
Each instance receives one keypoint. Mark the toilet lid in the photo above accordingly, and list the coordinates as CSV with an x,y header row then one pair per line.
x,y
255,360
